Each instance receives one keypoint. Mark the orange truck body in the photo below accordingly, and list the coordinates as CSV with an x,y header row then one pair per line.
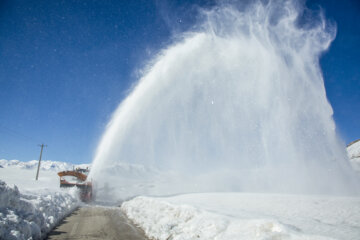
x,y
84,185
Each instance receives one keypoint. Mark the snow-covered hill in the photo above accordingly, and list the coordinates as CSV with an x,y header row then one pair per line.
x,y
353,150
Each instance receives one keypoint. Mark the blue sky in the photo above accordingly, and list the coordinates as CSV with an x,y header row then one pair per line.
x,y
66,65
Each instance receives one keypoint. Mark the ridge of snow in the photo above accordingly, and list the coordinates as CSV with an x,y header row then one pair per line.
x,y
46,165
31,216
30,208
226,216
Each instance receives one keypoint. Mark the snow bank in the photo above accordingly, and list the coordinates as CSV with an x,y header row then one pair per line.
x,y
245,216
353,150
30,208
26,216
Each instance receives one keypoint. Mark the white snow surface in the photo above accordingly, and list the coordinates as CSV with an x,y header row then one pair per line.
x,y
46,165
246,216
353,151
29,209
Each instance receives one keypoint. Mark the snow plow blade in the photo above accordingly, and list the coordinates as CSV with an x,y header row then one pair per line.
x,y
81,183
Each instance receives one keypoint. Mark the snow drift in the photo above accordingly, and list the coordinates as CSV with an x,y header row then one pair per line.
x,y
31,216
29,209
226,216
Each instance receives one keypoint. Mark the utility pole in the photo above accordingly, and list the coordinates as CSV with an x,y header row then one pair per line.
x,y
37,173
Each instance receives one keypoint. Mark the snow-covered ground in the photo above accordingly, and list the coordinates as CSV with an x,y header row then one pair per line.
x,y
32,208
353,150
249,215
246,216
29,209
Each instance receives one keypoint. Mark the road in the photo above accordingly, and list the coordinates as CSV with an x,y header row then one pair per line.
x,y
97,223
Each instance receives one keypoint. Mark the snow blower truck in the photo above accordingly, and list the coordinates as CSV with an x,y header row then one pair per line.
x,y
78,179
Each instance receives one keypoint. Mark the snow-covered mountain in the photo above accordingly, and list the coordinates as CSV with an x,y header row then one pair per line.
x,y
46,165
353,150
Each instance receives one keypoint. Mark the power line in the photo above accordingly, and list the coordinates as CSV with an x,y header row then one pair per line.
x,y
15,133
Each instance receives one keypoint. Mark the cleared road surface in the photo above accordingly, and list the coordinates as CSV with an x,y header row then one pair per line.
x,y
97,223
